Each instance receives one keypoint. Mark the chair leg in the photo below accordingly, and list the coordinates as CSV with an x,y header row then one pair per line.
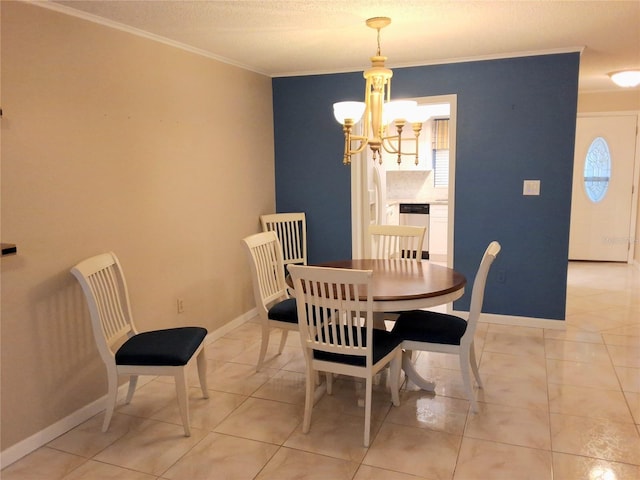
x,y
133,382
202,373
183,399
308,400
329,377
263,347
466,378
394,378
283,340
474,364
367,411
112,397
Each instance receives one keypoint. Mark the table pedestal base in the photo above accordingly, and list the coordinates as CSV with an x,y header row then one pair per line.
x,y
413,375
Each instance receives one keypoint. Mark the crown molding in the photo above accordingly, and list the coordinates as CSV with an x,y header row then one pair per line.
x,y
446,61
140,33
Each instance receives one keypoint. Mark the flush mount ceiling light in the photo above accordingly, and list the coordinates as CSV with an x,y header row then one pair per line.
x,y
379,111
626,78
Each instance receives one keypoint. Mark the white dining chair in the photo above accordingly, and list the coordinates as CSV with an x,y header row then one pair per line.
x,y
346,344
124,350
291,229
396,241
275,307
444,333
390,242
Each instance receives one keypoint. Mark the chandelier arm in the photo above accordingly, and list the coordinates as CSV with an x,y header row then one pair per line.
x,y
389,147
417,127
348,151
399,127
347,140
363,144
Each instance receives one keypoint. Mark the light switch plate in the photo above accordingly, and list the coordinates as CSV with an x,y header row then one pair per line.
x,y
531,187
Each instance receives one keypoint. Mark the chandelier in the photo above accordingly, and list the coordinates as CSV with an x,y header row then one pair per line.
x,y
379,112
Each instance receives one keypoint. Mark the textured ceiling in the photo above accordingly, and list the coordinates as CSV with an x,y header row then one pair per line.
x,y
287,37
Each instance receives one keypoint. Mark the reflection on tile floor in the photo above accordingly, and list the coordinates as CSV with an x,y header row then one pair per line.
x,y
557,404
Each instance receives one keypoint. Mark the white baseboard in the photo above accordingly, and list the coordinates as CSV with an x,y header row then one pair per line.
x,y
233,324
37,440
41,438
517,321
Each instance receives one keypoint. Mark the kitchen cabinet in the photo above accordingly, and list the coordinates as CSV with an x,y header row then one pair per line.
x,y
438,228
408,162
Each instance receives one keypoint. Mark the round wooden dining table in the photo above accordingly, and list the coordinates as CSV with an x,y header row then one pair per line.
x,y
405,284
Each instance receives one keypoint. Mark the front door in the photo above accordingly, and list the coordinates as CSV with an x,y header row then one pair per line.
x,y
603,179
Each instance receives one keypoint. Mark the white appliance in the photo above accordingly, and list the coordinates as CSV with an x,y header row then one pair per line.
x,y
417,214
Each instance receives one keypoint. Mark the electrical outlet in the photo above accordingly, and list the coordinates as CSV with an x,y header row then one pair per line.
x,y
180,305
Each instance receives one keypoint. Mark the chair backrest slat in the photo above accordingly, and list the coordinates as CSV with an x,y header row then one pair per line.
x,y
102,284
396,241
341,295
291,229
105,290
267,269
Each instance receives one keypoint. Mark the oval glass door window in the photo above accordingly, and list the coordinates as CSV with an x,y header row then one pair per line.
x,y
597,170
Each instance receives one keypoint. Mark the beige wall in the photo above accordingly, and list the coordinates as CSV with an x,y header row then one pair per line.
x,y
623,100
636,239
620,101
114,142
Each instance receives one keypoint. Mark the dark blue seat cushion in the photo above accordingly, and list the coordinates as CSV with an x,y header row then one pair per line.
x,y
383,343
169,347
284,311
431,327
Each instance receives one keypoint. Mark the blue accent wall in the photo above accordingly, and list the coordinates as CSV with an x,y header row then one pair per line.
x,y
516,121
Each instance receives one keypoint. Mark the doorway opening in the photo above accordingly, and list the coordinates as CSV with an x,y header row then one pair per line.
x,y
378,189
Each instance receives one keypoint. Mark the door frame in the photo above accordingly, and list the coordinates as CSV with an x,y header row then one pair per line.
x,y
634,235
361,194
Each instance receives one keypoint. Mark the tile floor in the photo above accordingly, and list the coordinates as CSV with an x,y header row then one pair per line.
x,y
557,404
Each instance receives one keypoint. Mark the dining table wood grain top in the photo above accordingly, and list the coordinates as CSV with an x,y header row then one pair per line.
x,y
404,284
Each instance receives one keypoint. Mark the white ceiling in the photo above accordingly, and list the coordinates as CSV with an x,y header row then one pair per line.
x,y
297,37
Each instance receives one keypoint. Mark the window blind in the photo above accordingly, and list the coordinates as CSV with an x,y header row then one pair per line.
x,y
441,134
440,152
